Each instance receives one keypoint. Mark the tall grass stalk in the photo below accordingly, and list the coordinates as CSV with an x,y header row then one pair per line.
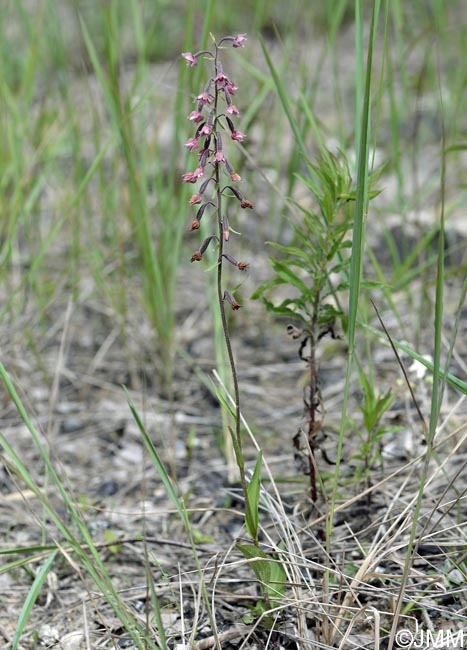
x,y
358,242
438,384
159,251
358,239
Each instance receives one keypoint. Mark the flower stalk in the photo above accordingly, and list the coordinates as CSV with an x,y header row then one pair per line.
x,y
211,120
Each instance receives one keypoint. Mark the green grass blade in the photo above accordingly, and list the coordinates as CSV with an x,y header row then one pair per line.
x,y
31,598
438,378
358,241
284,97
159,465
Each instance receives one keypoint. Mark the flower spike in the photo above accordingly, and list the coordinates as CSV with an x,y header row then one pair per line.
x,y
212,159
213,162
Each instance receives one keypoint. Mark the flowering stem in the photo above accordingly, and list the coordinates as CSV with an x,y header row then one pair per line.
x,y
209,131
236,434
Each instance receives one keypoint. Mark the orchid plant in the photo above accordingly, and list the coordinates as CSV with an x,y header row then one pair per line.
x,y
213,118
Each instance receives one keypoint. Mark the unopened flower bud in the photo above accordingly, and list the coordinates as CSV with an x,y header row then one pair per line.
x,y
246,204
225,228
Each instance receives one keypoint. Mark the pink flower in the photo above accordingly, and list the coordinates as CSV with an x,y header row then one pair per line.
x,y
219,157
206,130
204,98
192,177
189,177
239,41
236,178
190,58
232,110
195,199
231,87
221,80
192,144
239,136
195,116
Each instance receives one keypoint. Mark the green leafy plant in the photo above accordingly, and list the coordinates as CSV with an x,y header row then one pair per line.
x,y
314,271
271,575
373,407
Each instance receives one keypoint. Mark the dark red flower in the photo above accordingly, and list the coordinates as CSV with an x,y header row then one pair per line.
x,y
231,300
242,266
